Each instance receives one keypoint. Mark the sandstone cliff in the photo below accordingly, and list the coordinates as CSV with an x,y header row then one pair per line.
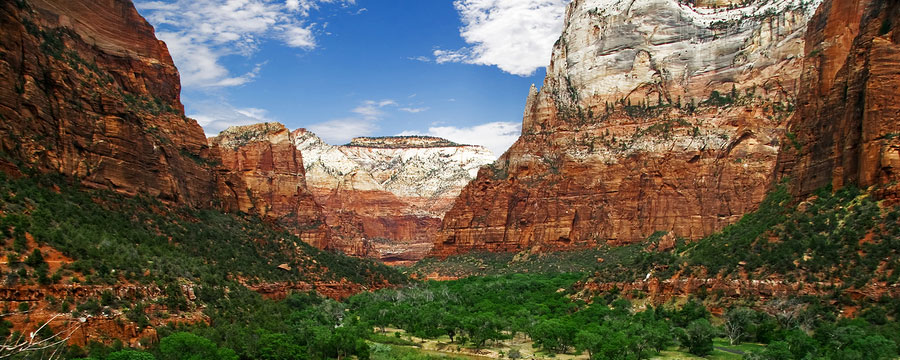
x,y
266,177
89,91
846,127
384,197
654,115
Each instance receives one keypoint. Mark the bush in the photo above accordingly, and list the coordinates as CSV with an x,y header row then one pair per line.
x,y
130,355
698,337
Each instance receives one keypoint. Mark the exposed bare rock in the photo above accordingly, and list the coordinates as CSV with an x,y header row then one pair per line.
x,y
384,197
267,178
655,115
89,91
847,126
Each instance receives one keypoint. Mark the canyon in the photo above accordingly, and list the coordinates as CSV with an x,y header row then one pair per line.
x,y
657,119
655,115
385,197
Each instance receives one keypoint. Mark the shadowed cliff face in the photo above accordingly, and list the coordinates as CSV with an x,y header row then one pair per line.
x,y
846,127
90,92
654,116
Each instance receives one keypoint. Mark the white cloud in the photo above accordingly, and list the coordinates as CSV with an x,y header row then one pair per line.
x,y
496,136
413,110
372,110
215,117
517,36
200,33
341,131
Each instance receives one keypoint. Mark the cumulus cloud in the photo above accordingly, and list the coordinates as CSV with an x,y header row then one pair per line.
x,y
200,32
496,136
517,36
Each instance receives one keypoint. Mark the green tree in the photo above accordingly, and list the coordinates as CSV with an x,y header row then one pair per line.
x,y
130,355
187,346
698,337
738,324
273,346
588,341
555,335
777,350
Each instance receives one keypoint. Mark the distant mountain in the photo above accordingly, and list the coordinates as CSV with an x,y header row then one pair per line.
x,y
384,197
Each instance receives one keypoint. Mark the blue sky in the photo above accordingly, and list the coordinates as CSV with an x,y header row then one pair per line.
x,y
457,69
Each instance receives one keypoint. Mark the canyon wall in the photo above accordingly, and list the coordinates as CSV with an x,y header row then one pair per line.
x,y
90,92
384,197
655,115
266,177
847,124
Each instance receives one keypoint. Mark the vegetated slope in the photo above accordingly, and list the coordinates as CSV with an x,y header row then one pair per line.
x,y
541,315
148,259
840,243
385,197
655,115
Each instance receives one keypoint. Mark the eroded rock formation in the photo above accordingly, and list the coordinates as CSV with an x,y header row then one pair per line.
x,y
655,115
384,197
89,91
266,177
847,124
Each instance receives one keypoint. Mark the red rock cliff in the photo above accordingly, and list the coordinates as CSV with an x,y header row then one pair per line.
x,y
654,116
266,177
847,126
89,91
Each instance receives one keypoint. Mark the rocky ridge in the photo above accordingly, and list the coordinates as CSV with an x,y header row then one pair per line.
x,y
384,197
268,179
655,115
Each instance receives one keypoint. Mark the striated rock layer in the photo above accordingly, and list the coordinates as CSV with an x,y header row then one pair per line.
x,y
89,91
384,197
655,115
847,124
268,178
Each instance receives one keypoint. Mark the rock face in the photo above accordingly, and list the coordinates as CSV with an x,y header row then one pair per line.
x,y
847,122
655,115
266,177
89,91
384,197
